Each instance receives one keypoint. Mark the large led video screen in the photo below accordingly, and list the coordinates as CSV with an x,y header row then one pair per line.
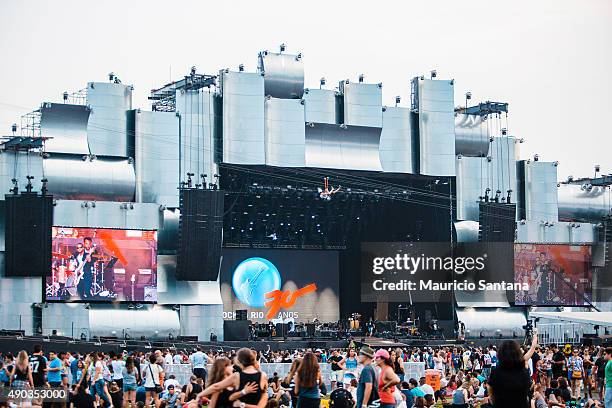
x,y
280,284
555,275
102,265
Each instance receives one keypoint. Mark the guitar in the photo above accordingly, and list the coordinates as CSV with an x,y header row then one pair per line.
x,y
78,271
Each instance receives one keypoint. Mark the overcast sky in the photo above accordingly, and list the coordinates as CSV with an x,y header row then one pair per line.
x,y
550,60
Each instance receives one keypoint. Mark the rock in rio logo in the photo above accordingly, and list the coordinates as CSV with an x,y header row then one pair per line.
x,y
257,283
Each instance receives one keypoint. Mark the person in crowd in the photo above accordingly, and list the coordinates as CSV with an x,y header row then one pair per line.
x,y
575,369
351,364
588,374
116,394
510,381
80,398
249,375
170,398
307,380
565,392
387,379
398,363
191,390
337,368
54,371
38,365
130,376
199,361
21,374
558,362
608,377
461,395
366,388
288,382
6,369
117,365
153,376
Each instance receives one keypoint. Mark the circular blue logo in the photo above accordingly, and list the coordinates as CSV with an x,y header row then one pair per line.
x,y
253,278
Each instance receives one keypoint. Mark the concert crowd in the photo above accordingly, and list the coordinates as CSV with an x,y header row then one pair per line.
x,y
506,375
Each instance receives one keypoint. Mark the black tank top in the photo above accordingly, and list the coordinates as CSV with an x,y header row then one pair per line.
x,y
252,398
195,390
223,399
21,375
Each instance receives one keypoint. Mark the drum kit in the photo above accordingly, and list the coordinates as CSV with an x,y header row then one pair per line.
x,y
65,277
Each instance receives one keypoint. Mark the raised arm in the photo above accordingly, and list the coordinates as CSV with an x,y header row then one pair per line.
x,y
534,344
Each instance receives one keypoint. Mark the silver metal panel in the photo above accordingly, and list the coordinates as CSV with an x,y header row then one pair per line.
x,y
283,74
66,127
476,174
107,130
583,202
466,231
285,133
18,295
197,122
436,127
354,148
488,322
172,292
104,178
243,118
152,321
69,319
320,106
396,141
201,321
19,165
157,157
556,232
107,214
471,135
541,191
470,186
362,104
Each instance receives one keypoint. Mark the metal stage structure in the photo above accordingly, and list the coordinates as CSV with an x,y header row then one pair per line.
x,y
300,168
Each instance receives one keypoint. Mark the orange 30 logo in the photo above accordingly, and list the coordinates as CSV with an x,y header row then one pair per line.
x,y
285,299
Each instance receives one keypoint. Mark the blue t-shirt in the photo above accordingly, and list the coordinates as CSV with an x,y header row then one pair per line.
x,y
351,363
409,398
368,375
55,376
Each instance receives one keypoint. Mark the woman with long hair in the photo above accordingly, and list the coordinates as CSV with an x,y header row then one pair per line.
x,y
21,375
387,379
510,382
130,381
461,395
398,363
289,381
307,379
250,385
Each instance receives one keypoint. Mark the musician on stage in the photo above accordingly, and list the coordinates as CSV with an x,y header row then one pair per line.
x,y
84,259
542,271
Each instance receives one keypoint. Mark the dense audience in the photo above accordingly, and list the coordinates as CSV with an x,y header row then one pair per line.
x,y
506,375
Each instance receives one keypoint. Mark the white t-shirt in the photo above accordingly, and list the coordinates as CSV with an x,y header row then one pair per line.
x,y
118,369
152,380
98,375
177,359
427,389
172,381
168,358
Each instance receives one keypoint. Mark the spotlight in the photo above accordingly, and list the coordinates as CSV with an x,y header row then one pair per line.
x,y
398,99
111,77
536,157
193,70
83,337
322,82
241,68
361,78
504,131
433,73
65,96
14,128
597,169
283,46
468,95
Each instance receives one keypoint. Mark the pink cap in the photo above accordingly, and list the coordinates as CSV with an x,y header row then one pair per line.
x,y
382,353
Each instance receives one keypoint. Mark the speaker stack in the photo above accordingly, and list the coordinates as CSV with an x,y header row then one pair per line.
x,y
29,220
200,234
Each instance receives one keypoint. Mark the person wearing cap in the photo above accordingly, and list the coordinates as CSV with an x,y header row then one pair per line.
x,y
388,379
366,386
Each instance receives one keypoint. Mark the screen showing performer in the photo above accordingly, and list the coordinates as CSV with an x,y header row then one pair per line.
x,y
102,265
556,274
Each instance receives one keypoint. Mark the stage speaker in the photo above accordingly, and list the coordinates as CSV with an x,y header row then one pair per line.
x,y
200,234
29,218
236,330
497,222
310,329
241,314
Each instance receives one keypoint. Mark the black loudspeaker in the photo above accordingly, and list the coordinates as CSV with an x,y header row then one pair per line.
x,y
241,314
497,222
29,219
200,234
310,329
236,330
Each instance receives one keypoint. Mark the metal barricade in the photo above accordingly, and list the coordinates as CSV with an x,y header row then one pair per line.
x,y
560,333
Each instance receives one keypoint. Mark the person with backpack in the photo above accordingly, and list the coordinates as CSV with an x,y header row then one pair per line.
x,y
366,387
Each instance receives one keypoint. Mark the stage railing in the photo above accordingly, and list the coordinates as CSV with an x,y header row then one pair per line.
x,y
560,333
